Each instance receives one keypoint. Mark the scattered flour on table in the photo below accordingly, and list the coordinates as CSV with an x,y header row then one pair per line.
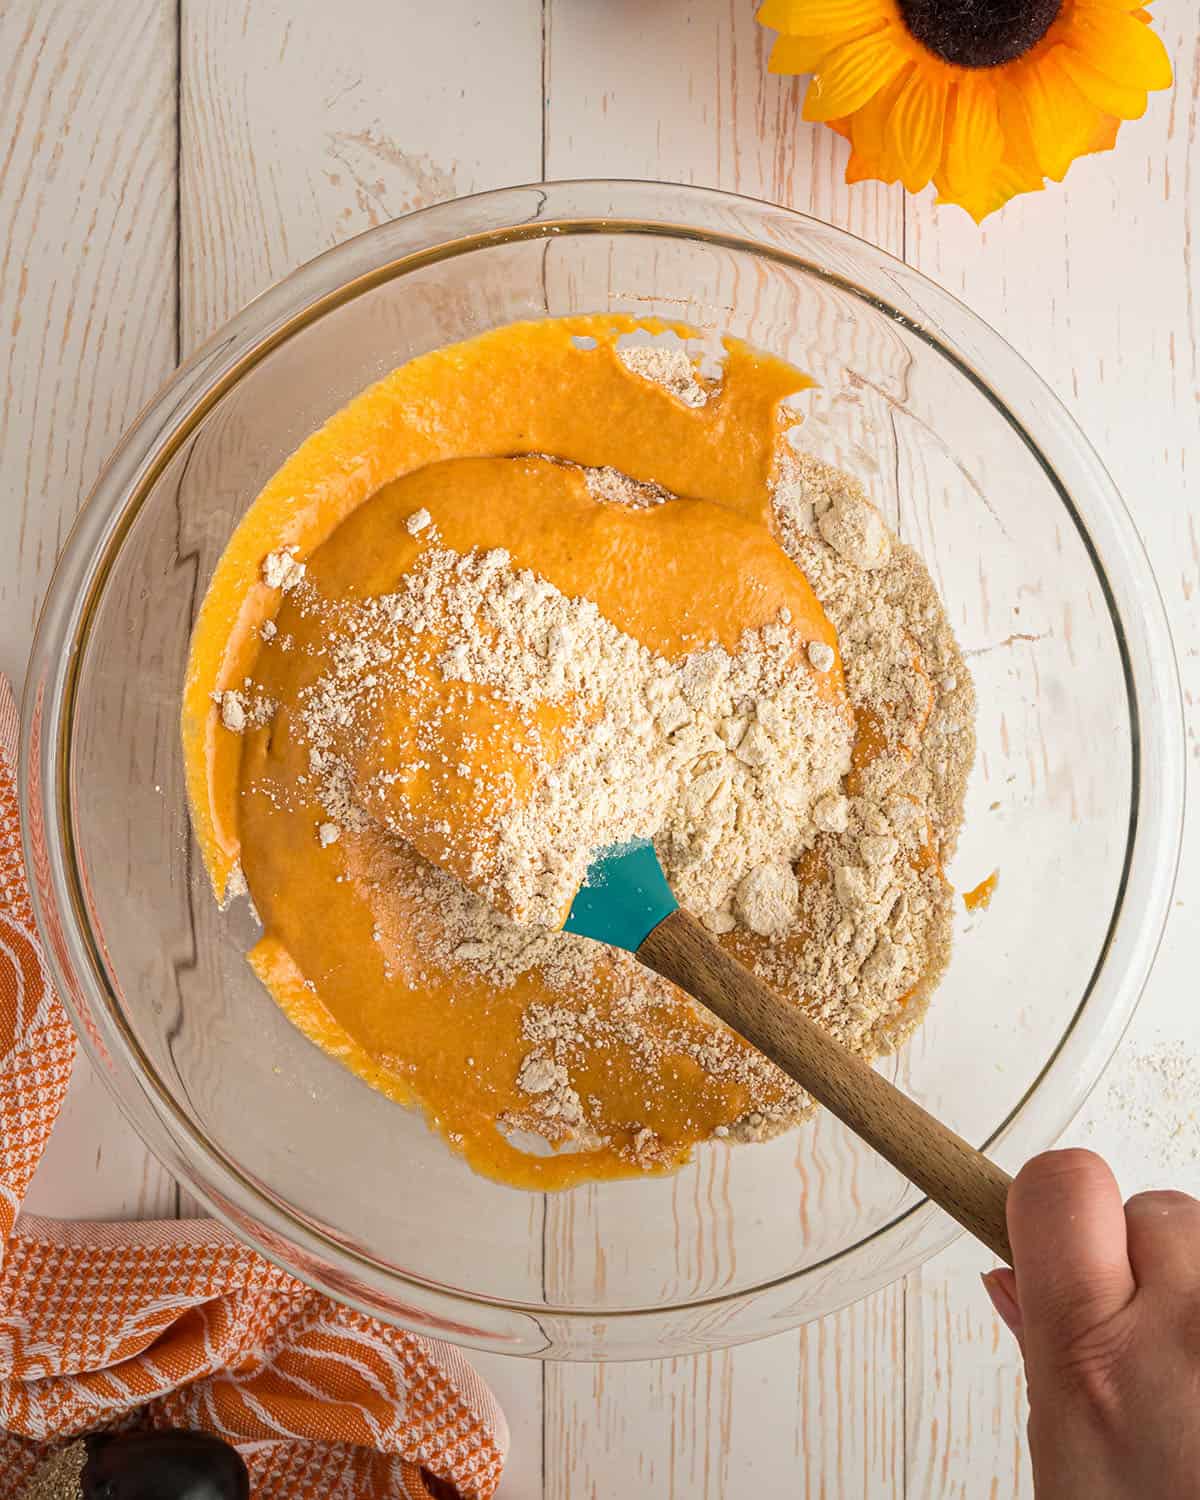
x,y
1154,1093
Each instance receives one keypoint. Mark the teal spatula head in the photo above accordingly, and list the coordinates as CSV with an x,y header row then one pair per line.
x,y
623,898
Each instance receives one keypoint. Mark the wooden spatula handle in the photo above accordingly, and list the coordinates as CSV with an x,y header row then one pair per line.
x,y
962,1180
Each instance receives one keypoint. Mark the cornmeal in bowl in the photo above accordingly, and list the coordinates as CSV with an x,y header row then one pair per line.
x,y
557,586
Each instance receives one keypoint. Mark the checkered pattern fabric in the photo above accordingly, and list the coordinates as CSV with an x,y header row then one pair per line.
x,y
177,1323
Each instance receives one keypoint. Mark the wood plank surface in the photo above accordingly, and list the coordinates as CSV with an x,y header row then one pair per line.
x,y
1095,285
299,129
814,1413
87,308
680,92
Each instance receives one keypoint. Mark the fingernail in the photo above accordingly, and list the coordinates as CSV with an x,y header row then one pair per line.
x,y
1001,1287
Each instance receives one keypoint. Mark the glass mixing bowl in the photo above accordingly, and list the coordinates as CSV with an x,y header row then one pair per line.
x,y
1076,796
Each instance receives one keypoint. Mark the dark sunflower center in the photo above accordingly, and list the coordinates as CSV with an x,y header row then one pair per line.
x,y
979,33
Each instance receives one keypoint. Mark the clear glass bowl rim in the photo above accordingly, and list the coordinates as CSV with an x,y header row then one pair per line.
x,y
460,226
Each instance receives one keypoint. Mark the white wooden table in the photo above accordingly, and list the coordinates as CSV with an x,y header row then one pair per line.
x,y
163,160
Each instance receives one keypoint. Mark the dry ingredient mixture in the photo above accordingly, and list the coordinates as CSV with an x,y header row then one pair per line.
x,y
723,754
498,660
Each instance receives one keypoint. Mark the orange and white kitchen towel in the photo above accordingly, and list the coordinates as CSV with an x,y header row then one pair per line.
x,y
177,1323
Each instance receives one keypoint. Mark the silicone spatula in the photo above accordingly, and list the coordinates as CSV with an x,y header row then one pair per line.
x,y
626,901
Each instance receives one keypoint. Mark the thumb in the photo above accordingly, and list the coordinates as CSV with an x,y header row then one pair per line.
x,y
1066,1222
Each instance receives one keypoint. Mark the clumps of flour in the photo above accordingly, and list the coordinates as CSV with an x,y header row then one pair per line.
x,y
242,709
823,870
672,369
282,570
766,898
877,914
720,757
419,521
614,488
550,1084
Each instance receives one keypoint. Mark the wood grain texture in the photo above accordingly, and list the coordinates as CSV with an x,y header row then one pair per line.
x,y
300,129
87,305
679,91
816,1414
965,1183
1095,283
517,1385
965,1403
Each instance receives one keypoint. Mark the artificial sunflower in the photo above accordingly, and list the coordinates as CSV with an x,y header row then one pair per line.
x,y
984,98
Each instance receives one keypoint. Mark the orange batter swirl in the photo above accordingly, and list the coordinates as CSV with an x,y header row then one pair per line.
x,y
488,444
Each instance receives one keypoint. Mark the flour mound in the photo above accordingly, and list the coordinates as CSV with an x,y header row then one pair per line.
x,y
720,757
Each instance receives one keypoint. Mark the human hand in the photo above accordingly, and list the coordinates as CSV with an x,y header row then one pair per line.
x,y
1105,1304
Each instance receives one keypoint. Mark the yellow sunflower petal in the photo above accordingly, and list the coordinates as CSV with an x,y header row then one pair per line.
x,y
1019,145
1120,46
991,194
800,54
1104,137
1016,176
979,199
775,13
851,75
872,156
1113,98
859,169
821,17
1061,120
974,139
1011,177
916,126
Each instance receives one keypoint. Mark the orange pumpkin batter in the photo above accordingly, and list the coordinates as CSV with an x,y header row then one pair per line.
x,y
349,931
979,898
